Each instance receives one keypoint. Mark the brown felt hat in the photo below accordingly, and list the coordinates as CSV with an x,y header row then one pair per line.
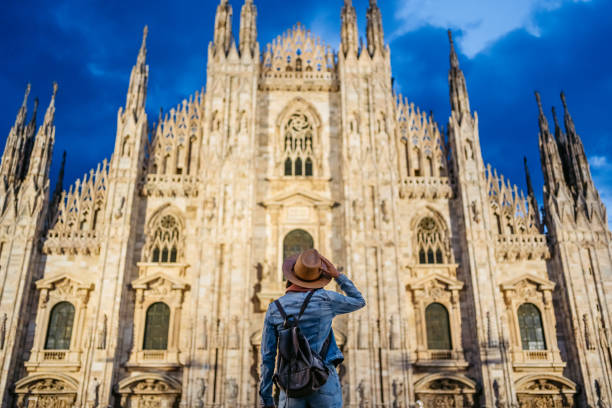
x,y
307,269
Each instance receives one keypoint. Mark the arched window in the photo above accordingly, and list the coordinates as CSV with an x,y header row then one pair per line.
x,y
438,327
297,139
430,242
156,327
165,240
308,167
295,242
530,325
59,331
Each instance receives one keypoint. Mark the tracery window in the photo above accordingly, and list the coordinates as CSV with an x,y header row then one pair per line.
x,y
296,241
430,242
59,332
298,145
165,240
438,327
156,327
530,325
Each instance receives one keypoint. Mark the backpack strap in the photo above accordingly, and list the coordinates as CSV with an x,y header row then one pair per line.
x,y
280,309
325,348
306,301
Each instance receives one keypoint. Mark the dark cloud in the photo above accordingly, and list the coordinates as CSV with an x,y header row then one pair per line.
x,y
90,47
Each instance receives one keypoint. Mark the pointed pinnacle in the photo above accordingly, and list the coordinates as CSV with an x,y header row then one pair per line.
x,y
554,114
453,54
145,32
528,177
27,93
54,91
539,100
563,100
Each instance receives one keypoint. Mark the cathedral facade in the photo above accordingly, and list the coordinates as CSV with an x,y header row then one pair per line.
x,y
145,283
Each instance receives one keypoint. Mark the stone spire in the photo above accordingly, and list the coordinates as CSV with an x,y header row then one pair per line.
x,y
40,159
460,101
578,165
137,90
59,187
248,28
348,31
374,29
19,144
223,37
533,202
552,166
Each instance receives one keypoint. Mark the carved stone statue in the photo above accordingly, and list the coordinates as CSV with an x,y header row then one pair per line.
x,y
203,342
2,330
398,393
93,393
201,391
102,332
362,394
232,390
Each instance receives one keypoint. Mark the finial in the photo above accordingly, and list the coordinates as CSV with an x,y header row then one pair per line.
x,y
539,100
54,90
554,114
348,3
563,100
27,93
453,54
145,32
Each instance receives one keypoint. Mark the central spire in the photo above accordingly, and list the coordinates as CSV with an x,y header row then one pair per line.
x,y
349,29
460,101
374,30
137,90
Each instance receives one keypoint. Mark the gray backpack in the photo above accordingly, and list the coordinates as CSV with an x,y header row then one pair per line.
x,y
299,370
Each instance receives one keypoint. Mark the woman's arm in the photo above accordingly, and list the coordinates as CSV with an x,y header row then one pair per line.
x,y
268,358
349,303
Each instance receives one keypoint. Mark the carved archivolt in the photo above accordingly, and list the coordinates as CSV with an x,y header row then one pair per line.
x,y
149,390
545,391
46,390
445,390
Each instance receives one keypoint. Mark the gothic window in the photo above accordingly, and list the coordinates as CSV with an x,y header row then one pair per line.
x,y
165,240
438,327
298,145
295,242
430,242
156,327
59,332
530,325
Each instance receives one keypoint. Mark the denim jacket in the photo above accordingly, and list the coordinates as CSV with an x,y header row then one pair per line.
x,y
315,324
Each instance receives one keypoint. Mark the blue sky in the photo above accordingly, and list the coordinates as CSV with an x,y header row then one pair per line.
x,y
508,48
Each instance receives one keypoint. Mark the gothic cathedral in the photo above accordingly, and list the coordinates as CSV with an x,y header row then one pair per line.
x,y
144,284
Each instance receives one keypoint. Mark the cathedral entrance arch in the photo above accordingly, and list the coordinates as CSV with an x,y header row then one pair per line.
x,y
296,241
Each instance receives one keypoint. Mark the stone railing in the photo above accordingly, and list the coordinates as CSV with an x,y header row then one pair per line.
x,y
54,355
170,185
512,247
72,242
425,187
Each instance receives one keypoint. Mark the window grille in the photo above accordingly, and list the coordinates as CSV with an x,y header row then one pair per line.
x,y
156,327
530,325
59,332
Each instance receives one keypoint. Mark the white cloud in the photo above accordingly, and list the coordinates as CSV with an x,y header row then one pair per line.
x,y
482,22
598,162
